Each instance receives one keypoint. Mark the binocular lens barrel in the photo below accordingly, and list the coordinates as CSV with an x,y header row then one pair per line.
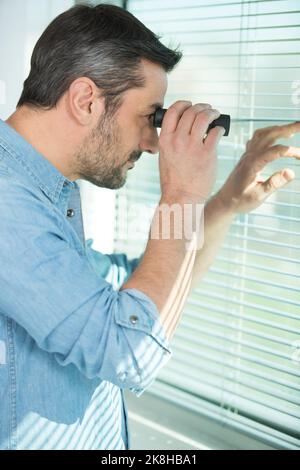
x,y
223,120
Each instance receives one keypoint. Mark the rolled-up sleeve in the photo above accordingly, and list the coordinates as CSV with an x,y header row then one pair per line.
x,y
154,351
116,268
50,289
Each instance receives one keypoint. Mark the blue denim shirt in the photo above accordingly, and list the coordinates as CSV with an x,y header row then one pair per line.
x,y
70,341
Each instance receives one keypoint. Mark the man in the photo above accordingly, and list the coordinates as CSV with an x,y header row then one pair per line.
x,y
70,342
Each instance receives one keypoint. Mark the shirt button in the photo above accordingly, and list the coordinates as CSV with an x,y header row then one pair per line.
x,y
70,213
133,319
65,184
122,376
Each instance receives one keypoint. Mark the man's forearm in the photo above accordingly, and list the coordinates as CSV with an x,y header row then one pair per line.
x,y
166,268
168,271
217,221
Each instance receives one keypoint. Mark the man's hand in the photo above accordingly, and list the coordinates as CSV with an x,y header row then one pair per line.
x,y
244,189
187,161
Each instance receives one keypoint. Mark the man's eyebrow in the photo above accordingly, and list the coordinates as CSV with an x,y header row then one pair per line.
x,y
155,106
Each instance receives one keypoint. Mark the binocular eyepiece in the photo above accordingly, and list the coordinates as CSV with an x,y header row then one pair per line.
x,y
223,120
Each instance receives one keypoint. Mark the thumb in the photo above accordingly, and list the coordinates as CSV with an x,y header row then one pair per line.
x,y
276,181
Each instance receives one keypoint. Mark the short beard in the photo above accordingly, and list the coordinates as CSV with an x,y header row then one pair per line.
x,y
97,161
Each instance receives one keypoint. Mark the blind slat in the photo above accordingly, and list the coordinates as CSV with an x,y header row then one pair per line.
x,y
231,326
251,318
234,399
237,368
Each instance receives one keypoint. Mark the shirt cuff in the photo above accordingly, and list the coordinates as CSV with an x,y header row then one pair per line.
x,y
147,319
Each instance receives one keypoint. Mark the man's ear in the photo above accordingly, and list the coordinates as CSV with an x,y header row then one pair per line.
x,y
85,102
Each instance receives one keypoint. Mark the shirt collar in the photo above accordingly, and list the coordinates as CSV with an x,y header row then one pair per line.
x,y
47,176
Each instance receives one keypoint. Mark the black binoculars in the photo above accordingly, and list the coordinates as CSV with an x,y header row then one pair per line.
x,y
223,120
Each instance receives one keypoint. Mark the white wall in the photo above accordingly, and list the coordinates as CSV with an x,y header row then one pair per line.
x,y
21,24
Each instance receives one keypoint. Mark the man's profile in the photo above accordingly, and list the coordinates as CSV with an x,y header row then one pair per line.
x,y
72,342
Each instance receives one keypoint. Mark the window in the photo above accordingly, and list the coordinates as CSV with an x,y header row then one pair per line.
x,y
241,325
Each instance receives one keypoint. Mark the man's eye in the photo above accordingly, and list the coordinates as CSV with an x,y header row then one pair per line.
x,y
149,117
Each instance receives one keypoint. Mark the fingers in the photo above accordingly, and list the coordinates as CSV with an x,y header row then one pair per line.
x,y
202,121
189,117
173,115
181,115
266,136
213,137
276,181
273,153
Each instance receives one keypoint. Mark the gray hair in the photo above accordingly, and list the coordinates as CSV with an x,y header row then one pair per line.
x,y
104,43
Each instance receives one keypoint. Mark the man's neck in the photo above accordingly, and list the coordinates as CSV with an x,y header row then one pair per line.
x,y
41,130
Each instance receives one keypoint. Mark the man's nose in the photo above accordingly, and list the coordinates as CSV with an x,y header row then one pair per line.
x,y
149,143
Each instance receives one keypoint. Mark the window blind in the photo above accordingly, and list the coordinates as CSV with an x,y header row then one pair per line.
x,y
236,351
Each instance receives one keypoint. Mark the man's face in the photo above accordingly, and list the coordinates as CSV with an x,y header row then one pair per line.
x,y
110,149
